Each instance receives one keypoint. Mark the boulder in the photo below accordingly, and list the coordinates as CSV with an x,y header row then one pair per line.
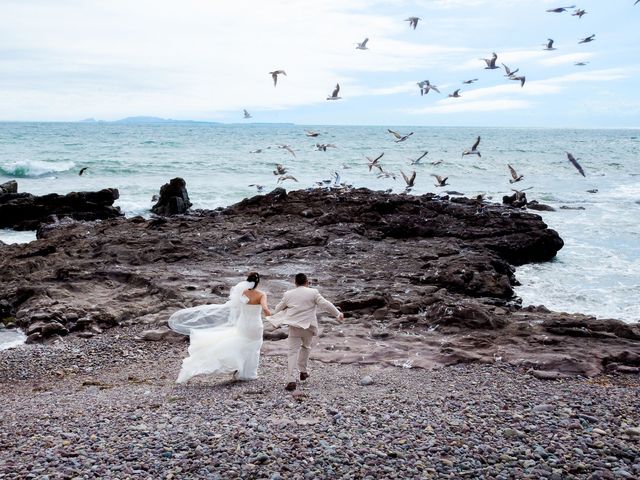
x,y
9,187
23,211
174,199
162,334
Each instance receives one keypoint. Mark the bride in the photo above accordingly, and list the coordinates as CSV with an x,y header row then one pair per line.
x,y
224,338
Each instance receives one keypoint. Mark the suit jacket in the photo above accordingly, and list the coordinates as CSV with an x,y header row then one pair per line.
x,y
298,308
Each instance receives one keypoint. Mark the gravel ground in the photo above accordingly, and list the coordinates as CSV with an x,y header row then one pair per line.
x,y
107,407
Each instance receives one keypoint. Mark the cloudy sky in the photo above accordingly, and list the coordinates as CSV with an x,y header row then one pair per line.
x,y
66,60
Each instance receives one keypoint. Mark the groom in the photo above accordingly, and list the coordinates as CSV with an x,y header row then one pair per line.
x,y
297,309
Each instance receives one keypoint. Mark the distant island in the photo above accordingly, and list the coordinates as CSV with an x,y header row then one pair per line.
x,y
144,119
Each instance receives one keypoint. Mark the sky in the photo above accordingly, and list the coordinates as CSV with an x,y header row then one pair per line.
x,y
67,60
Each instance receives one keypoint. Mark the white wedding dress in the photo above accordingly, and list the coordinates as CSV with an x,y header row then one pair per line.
x,y
224,338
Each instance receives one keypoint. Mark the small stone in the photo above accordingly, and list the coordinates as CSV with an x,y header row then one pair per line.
x,y
366,380
634,431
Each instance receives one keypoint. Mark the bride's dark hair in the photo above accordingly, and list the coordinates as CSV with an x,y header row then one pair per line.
x,y
255,278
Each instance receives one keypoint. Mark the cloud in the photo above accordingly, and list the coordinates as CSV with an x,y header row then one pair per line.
x,y
473,106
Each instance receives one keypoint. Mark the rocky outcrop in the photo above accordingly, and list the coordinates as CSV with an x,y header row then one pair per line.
x,y
423,281
23,211
174,199
9,187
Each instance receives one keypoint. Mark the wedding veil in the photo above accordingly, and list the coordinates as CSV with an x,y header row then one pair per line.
x,y
211,316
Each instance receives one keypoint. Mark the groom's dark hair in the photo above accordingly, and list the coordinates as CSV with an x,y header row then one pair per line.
x,y
301,279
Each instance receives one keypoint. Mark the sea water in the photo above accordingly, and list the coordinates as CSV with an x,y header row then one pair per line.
x,y
597,271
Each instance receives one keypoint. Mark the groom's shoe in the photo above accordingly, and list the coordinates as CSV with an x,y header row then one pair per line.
x,y
291,386
304,376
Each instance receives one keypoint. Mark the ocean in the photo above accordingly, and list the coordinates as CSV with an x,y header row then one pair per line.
x,y
597,272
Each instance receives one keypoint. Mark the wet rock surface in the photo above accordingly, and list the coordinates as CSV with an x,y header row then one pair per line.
x,y
24,211
423,281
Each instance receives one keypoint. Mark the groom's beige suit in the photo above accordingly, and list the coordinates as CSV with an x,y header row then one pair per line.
x,y
298,309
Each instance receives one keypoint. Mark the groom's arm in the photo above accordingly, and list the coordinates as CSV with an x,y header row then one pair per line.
x,y
327,306
282,305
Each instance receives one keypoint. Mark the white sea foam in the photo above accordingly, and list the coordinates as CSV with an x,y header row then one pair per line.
x,y
11,338
34,168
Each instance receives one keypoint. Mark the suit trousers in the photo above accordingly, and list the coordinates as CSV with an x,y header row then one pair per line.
x,y
300,340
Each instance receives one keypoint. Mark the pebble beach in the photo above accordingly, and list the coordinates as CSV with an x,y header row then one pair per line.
x,y
108,407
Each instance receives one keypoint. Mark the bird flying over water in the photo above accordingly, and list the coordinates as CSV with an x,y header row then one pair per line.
x,y
549,44
259,188
442,181
275,74
588,39
491,62
474,149
426,86
322,147
311,133
287,177
399,136
409,180
246,114
508,72
417,160
288,149
520,78
455,94
334,94
413,21
362,45
373,162
575,163
469,82
560,9
514,175
280,170
82,170
582,64
579,13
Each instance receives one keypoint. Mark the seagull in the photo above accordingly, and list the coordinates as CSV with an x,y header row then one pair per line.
x,y
246,114
579,13
280,169
373,162
417,160
469,82
442,181
437,162
560,9
455,94
258,150
474,149
287,177
275,74
413,21
385,174
508,72
336,178
288,149
425,86
575,163
322,147
362,45
549,44
521,78
82,170
311,133
259,188
334,94
514,175
399,137
491,62
409,180
582,64
588,39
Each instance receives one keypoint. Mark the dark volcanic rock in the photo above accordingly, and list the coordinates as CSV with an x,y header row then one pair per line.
x,y
174,199
423,281
9,187
23,211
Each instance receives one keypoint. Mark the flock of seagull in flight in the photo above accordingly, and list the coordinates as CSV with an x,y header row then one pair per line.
x,y
425,87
